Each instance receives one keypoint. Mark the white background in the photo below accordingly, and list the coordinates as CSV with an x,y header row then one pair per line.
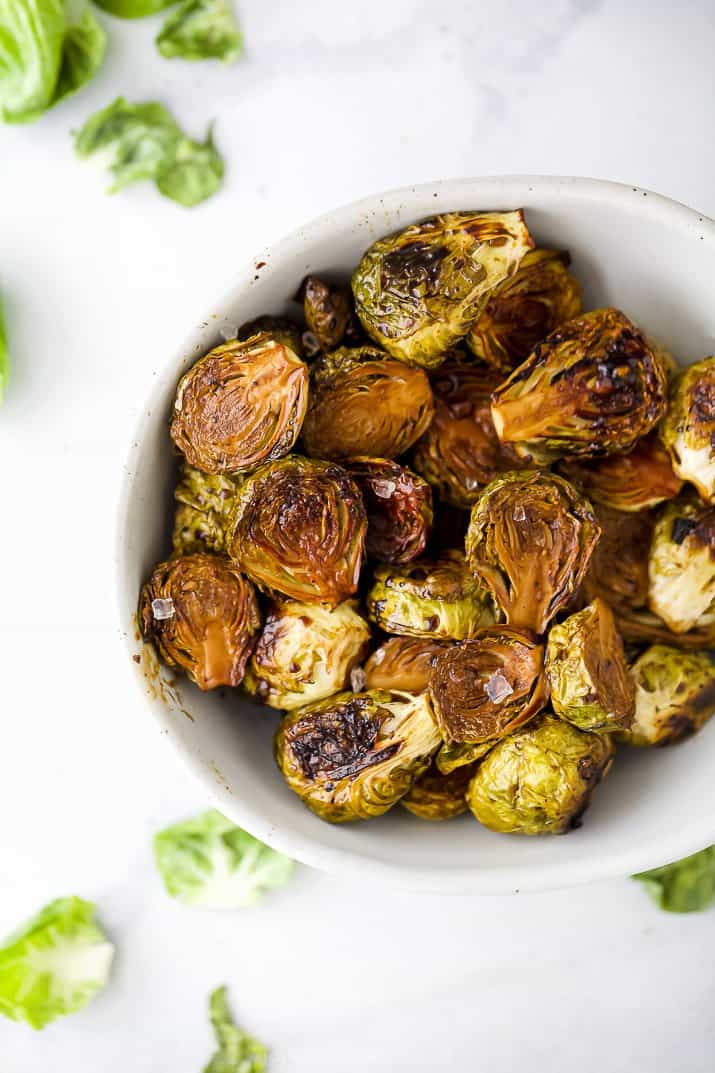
x,y
332,101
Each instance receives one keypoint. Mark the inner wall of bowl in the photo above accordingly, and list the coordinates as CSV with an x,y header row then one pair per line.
x,y
654,265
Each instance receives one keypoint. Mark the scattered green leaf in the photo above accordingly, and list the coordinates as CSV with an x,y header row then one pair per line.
x,y
192,173
685,886
133,9
4,356
201,30
237,1051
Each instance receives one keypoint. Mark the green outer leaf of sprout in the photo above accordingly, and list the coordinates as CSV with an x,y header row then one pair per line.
x,y
686,886
201,30
237,1051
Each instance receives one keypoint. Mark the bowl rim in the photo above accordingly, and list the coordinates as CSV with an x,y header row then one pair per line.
x,y
346,861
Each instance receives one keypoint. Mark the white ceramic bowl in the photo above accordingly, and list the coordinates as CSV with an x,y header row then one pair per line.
x,y
653,258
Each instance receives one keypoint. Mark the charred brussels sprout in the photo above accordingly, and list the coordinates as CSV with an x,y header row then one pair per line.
x,y
540,780
240,405
399,508
204,507
355,755
435,796
419,291
460,452
688,430
365,404
631,482
403,663
306,653
298,528
203,617
282,329
523,310
618,571
530,540
587,671
329,313
429,599
681,566
593,387
675,695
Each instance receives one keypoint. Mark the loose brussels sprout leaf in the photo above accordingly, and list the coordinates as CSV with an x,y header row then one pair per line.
x,y
365,404
403,663
201,30
486,688
587,671
435,796
675,695
429,599
454,756
419,291
523,310
133,9
681,566
641,627
618,571
688,429
329,314
54,964
631,482
686,886
530,540
4,356
282,329
540,780
240,405
355,755
237,1051
299,529
205,502
460,452
209,862
306,653
593,387
192,173
203,617
399,508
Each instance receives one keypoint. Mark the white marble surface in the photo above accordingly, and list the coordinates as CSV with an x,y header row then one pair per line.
x,y
331,102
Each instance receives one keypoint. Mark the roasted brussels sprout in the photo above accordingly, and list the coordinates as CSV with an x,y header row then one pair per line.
x,y
355,755
399,508
329,313
641,627
539,780
403,663
631,482
454,756
365,404
204,507
240,405
429,599
435,796
282,329
460,452
618,571
587,671
593,387
306,653
420,290
688,429
681,565
530,540
523,310
202,616
298,528
675,695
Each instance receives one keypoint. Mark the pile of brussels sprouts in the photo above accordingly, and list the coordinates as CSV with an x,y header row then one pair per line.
x,y
457,530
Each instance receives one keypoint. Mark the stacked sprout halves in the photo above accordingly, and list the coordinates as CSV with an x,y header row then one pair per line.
x,y
457,530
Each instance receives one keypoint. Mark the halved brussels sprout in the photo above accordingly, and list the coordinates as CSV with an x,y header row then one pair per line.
x,y
419,291
675,695
240,405
329,313
688,429
631,482
681,566
618,571
203,617
282,329
593,387
398,505
540,780
460,452
429,599
306,653
587,671
403,663
523,310
530,540
298,528
435,796
355,755
363,403
205,502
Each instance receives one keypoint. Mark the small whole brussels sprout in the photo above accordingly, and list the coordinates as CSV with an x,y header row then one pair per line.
x,y
631,482
306,653
523,310
681,565
398,505
429,599
618,571
329,313
298,528
364,404
202,616
282,329
675,695
587,671
688,429
205,502
540,780
240,405
419,291
530,540
593,387
435,796
403,663
355,755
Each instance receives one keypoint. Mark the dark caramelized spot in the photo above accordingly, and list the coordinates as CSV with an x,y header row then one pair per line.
x,y
415,267
339,742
